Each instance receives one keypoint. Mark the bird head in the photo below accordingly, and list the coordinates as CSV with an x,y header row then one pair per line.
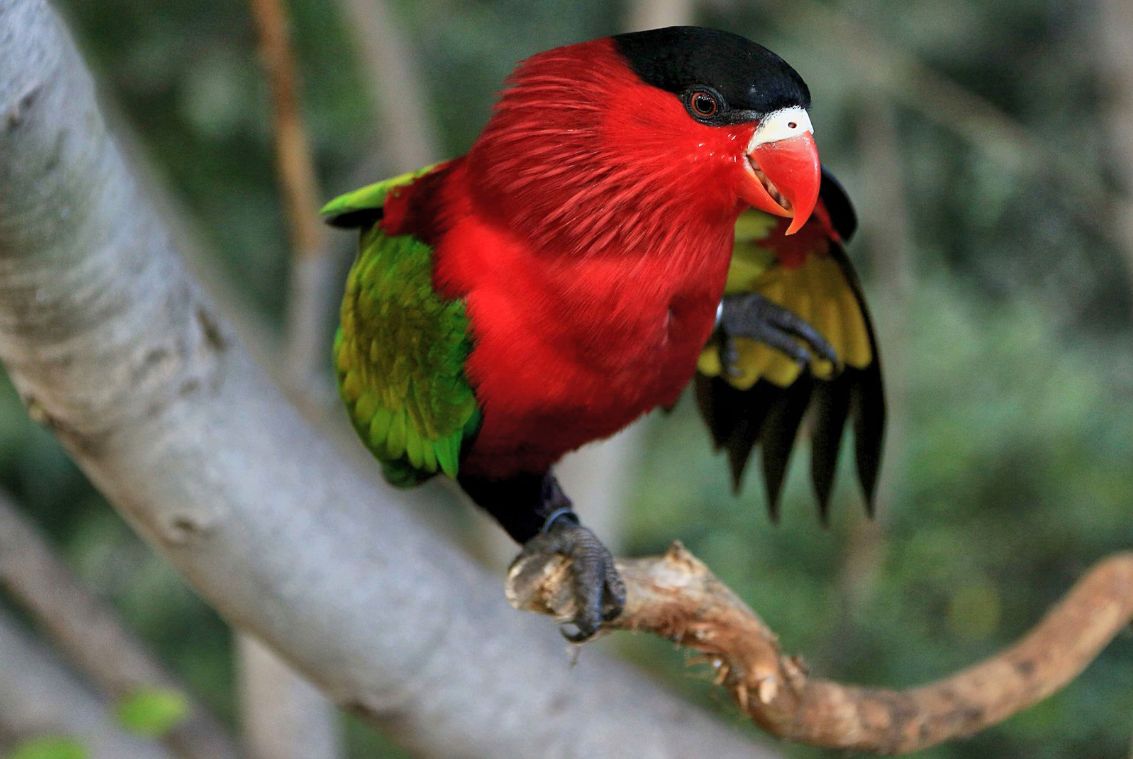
x,y
747,106
598,143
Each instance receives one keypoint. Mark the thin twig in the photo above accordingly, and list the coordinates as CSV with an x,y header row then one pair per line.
x,y
677,597
90,634
394,79
293,152
309,284
1114,19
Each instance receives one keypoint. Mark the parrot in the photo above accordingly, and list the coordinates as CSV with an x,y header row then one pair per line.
x,y
641,212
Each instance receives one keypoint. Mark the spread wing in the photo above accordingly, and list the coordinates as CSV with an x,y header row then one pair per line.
x,y
400,348
765,404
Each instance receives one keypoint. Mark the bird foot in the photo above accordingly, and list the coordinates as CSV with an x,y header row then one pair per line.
x,y
753,316
598,590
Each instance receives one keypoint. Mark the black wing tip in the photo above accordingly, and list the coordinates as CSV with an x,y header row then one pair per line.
x,y
773,504
737,470
869,432
838,205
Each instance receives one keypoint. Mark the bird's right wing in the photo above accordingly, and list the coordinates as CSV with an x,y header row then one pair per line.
x,y
765,402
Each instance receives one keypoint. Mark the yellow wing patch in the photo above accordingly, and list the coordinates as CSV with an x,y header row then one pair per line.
x,y
818,291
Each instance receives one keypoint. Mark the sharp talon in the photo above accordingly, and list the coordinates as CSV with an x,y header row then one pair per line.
x,y
581,636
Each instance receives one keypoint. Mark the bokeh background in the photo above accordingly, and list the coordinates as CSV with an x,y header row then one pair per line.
x,y
989,149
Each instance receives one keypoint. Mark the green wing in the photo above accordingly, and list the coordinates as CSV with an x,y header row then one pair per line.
x,y
400,350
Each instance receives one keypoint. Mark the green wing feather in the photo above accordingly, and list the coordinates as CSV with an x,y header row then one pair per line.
x,y
400,350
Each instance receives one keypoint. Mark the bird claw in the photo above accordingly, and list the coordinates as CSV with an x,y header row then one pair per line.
x,y
598,589
754,317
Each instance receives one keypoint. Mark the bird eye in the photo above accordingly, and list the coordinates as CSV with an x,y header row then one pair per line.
x,y
703,104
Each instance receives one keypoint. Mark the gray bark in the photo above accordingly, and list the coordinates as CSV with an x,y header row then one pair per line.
x,y
113,347
91,636
39,697
283,716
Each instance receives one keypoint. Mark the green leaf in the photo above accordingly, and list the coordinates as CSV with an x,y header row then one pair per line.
x,y
152,712
50,747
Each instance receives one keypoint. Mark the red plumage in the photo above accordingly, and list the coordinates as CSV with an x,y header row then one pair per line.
x,y
589,231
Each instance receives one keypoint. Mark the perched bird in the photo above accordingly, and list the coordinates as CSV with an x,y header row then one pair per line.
x,y
639,210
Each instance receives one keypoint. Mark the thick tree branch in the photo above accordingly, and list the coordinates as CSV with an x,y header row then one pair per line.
x,y
677,597
91,635
113,347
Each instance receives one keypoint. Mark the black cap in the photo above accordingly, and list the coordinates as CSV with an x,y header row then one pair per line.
x,y
747,77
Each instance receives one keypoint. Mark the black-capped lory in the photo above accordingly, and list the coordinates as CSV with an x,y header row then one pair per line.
x,y
641,211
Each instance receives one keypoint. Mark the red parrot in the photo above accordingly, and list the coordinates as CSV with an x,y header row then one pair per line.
x,y
639,210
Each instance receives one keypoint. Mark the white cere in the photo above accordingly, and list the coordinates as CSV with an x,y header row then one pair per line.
x,y
781,125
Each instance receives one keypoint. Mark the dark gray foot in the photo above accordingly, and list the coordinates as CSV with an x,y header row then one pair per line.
x,y
752,316
599,591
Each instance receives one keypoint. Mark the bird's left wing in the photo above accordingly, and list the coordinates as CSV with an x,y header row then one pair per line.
x,y
764,401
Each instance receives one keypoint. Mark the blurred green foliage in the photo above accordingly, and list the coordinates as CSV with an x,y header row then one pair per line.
x,y
152,712
50,747
1011,376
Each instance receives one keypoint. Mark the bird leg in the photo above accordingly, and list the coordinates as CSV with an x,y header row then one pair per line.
x,y
753,316
535,512
598,589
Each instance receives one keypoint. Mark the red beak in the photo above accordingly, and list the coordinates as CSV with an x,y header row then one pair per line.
x,y
785,176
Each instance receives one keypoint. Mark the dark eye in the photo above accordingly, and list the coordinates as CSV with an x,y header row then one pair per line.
x,y
703,104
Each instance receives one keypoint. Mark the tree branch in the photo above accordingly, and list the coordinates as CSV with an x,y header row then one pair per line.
x,y
114,348
677,597
39,697
393,77
90,634
293,154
